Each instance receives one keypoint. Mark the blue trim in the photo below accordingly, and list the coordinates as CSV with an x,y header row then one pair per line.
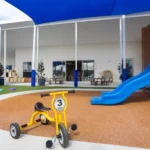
x,y
75,78
33,78
124,74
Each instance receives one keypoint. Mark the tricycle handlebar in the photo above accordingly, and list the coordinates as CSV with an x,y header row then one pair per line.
x,y
71,91
58,93
46,94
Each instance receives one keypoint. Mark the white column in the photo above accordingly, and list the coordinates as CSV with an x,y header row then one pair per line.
x,y
33,51
33,77
0,44
124,41
37,47
5,48
76,45
121,48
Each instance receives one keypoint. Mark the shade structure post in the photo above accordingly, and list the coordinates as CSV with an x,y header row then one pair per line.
x,y
76,56
1,79
37,47
33,58
5,48
121,48
0,43
124,71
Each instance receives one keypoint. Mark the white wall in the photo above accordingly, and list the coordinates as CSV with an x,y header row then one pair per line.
x,y
106,56
10,58
22,55
98,40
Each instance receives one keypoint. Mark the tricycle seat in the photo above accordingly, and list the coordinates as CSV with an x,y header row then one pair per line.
x,y
40,107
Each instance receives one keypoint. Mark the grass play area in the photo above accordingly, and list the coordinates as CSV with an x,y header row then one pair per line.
x,y
6,89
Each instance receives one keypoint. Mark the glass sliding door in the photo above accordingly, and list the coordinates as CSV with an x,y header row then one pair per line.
x,y
70,67
27,68
87,70
59,69
65,69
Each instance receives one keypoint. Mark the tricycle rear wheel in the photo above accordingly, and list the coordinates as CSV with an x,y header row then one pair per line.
x,y
44,120
15,130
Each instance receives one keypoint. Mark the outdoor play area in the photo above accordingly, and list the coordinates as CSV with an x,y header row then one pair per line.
x,y
75,75
125,124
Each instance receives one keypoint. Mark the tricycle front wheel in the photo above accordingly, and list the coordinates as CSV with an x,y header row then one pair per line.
x,y
63,136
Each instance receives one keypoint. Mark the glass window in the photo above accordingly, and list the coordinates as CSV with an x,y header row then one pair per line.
x,y
9,67
27,66
59,69
88,70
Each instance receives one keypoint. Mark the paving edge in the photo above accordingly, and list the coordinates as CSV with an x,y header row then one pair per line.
x,y
5,96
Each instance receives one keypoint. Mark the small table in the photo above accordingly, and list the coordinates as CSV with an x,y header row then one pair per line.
x,y
96,81
56,80
99,81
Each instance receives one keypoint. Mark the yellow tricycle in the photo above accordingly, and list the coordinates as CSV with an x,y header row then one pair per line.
x,y
59,106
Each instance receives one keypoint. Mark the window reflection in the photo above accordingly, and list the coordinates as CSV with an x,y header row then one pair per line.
x,y
66,69
27,66
59,69
88,70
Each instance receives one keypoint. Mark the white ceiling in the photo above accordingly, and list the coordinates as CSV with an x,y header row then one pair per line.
x,y
90,32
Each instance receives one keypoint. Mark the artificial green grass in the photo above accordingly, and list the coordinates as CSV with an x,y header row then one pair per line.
x,y
29,88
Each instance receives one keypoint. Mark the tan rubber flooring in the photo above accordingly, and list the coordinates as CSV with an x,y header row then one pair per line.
x,y
127,124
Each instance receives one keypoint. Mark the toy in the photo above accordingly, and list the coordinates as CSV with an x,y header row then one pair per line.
x,y
59,107
12,89
1,90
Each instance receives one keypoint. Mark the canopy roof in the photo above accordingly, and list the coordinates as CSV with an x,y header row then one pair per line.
x,y
43,11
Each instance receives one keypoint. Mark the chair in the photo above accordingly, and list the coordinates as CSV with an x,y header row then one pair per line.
x,y
108,76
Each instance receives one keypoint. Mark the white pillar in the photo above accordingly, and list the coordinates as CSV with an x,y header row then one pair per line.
x,y
0,44
33,58
124,41
121,48
37,47
76,45
5,48
33,50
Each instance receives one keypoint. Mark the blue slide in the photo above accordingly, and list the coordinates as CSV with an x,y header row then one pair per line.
x,y
124,90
